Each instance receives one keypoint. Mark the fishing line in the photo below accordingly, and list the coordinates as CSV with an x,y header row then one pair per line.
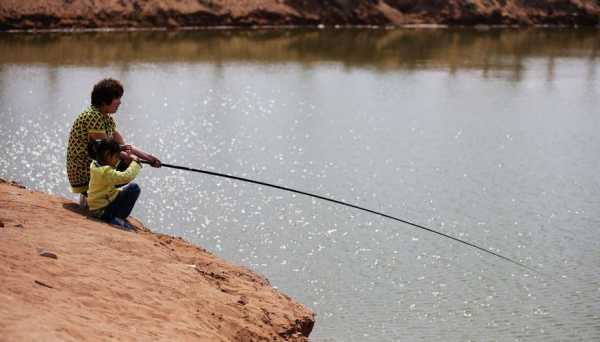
x,y
348,205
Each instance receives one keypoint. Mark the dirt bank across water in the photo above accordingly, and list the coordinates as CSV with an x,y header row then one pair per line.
x,y
66,276
91,14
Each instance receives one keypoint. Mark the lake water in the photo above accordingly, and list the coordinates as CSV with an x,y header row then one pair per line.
x,y
490,136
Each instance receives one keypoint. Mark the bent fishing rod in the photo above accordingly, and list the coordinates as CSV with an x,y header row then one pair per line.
x,y
212,173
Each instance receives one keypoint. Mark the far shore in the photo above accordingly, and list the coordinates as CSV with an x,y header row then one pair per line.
x,y
292,27
69,15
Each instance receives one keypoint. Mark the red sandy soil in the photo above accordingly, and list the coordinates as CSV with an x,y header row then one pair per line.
x,y
68,14
107,284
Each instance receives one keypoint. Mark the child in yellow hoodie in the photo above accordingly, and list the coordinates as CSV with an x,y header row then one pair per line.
x,y
105,200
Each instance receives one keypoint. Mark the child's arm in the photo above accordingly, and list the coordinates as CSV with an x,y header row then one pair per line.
x,y
115,177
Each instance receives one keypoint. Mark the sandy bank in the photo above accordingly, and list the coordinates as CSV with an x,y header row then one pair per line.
x,y
108,284
67,14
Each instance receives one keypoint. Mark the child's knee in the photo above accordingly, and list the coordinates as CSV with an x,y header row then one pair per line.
x,y
133,187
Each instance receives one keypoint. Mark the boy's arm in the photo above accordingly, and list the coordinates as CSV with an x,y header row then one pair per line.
x,y
96,136
155,162
130,149
119,138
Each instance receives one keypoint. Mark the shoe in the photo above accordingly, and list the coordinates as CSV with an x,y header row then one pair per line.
x,y
129,224
83,205
121,224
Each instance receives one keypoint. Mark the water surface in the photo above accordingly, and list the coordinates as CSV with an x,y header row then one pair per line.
x,y
489,136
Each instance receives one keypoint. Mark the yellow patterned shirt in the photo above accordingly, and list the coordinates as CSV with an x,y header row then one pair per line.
x,y
102,189
78,161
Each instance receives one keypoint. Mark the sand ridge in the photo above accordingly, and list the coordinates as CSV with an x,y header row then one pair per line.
x,y
92,14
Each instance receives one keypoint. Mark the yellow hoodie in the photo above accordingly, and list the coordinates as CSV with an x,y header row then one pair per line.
x,y
103,179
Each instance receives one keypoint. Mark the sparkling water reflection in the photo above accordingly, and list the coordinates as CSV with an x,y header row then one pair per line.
x,y
488,136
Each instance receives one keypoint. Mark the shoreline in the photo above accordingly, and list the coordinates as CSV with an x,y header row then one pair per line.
x,y
69,276
293,27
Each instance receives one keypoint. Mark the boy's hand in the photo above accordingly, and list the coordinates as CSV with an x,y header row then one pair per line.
x,y
154,162
126,148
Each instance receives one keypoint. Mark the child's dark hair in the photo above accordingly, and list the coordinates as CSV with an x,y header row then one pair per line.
x,y
99,149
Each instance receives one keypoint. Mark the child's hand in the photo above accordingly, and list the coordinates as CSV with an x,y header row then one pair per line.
x,y
126,157
134,158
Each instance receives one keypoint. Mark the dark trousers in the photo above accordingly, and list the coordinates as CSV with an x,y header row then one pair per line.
x,y
122,206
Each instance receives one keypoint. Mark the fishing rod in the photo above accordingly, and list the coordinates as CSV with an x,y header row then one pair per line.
x,y
348,205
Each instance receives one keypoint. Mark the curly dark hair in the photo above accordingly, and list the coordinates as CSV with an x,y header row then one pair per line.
x,y
105,91
99,149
